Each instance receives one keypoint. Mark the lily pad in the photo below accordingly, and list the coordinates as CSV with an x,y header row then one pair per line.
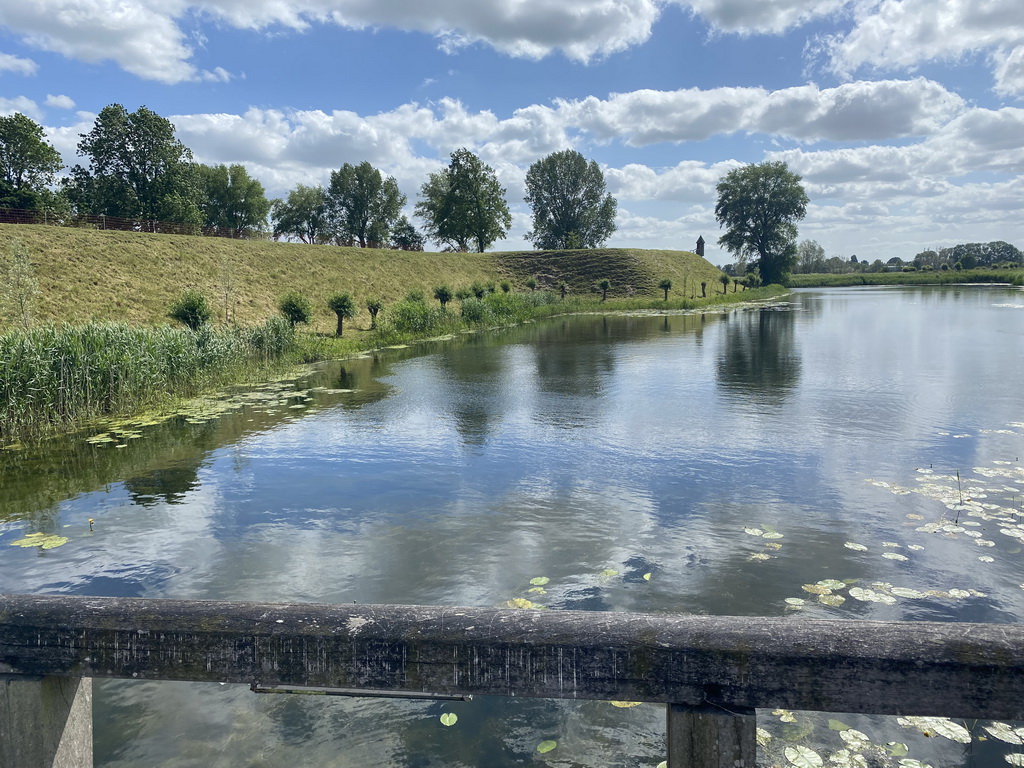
x,y
449,719
647,577
833,600
539,581
546,746
625,704
41,540
937,726
803,757
1003,732
855,546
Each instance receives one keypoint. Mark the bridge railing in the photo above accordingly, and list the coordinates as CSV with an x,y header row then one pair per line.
x,y
712,672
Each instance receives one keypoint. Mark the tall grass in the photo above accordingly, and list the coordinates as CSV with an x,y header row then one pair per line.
x,y
57,376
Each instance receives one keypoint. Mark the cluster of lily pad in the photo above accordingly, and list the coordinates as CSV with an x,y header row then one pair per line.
x,y
269,398
770,539
857,749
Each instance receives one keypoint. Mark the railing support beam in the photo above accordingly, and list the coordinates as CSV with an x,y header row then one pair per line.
x,y
711,737
46,722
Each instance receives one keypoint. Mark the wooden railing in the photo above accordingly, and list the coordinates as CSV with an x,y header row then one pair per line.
x,y
711,671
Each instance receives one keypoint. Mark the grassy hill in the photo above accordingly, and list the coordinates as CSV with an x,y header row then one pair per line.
x,y
133,277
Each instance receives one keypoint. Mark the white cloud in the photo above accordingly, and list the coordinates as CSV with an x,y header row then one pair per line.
x,y
774,16
860,111
145,37
11,63
21,104
60,101
900,34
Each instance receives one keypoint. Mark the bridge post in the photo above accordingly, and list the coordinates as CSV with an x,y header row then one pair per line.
x,y
46,721
710,737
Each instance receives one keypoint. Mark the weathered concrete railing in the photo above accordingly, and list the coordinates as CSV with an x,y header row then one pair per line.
x,y
712,671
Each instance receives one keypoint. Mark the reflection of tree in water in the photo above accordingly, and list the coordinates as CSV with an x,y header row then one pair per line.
x,y
474,372
758,356
167,484
574,358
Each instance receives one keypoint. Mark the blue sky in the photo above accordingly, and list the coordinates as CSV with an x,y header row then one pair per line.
x,y
904,117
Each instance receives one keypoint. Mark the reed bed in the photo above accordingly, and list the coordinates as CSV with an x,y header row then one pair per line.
x,y
60,375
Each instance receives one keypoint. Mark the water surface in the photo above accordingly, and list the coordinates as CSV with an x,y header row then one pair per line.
x,y
704,463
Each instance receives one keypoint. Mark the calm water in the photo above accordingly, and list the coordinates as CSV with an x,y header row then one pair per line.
x,y
590,450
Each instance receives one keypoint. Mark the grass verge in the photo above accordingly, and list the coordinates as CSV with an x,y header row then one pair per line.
x,y
941,277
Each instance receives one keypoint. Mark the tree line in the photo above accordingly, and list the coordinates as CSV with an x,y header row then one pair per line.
x,y
811,259
135,168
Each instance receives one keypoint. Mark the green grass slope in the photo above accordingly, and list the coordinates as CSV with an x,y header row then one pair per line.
x,y
133,277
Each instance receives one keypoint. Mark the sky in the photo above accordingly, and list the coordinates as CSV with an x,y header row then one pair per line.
x,y
905,118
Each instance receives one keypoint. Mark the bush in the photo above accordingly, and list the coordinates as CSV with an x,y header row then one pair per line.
x,y
191,309
296,308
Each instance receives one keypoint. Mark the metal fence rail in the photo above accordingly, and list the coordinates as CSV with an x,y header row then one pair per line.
x,y
712,672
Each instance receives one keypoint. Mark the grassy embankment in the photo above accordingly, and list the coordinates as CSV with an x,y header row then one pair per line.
x,y
937,277
75,366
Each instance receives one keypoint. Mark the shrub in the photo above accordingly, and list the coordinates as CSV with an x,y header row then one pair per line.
x,y
666,286
416,295
296,308
191,309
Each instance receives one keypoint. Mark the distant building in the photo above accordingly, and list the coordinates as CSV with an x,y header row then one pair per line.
x,y
700,246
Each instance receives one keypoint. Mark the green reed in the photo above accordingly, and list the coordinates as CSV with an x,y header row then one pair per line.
x,y
57,376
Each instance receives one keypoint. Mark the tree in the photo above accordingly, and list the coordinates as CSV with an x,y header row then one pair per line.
x,y
374,306
666,286
364,205
759,205
443,294
724,280
463,205
296,308
343,305
303,215
570,206
191,309
405,237
232,199
137,169
604,285
27,162
810,257
19,287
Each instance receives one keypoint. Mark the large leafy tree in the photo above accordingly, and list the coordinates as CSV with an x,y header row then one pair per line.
x,y
571,208
303,215
137,169
463,205
232,199
759,205
27,162
364,204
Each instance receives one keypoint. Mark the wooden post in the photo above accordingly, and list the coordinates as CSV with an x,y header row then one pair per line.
x,y
710,737
46,722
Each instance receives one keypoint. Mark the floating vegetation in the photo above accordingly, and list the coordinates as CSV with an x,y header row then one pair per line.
x,y
855,546
41,540
895,556
607,574
625,704
539,581
647,577
523,603
449,719
803,757
937,726
546,746
1003,732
